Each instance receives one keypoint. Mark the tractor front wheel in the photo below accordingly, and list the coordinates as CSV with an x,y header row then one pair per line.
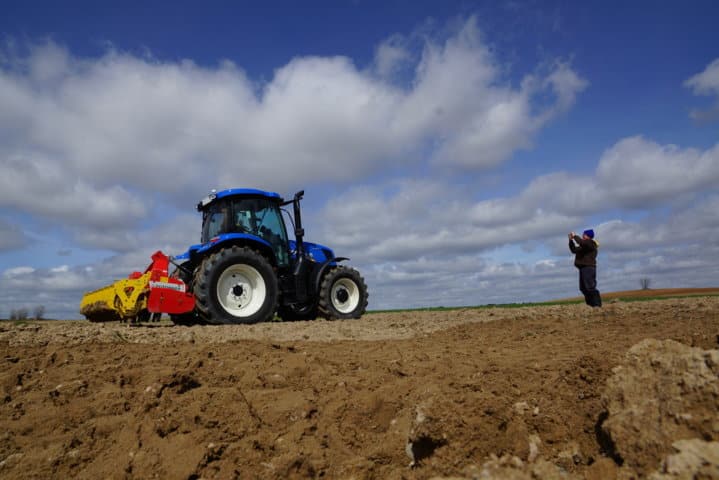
x,y
343,294
236,285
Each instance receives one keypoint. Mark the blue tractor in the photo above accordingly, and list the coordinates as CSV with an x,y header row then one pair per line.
x,y
246,269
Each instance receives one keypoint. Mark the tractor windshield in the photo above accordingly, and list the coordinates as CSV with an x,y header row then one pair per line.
x,y
254,216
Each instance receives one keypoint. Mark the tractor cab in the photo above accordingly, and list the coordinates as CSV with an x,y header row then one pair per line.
x,y
246,213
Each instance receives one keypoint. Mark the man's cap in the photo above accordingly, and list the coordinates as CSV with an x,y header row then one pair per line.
x,y
589,233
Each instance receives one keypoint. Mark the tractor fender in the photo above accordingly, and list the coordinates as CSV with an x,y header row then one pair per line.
x,y
320,272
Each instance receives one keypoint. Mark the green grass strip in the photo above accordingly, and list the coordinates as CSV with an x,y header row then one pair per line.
x,y
538,304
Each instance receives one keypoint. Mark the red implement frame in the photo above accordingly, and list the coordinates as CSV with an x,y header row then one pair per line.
x,y
166,294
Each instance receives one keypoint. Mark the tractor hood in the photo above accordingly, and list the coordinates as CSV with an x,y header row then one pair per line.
x,y
319,253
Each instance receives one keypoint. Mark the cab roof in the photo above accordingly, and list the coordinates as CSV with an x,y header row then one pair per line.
x,y
237,192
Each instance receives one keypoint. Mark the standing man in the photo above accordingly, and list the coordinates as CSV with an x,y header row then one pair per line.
x,y
585,250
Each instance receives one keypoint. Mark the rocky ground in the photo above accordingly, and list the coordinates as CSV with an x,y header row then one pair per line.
x,y
631,391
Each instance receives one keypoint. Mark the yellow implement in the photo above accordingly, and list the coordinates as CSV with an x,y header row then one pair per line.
x,y
122,300
139,296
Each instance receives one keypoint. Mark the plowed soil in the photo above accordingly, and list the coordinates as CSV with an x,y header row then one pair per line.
x,y
326,399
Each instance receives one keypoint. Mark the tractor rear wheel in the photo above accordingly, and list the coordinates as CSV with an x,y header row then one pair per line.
x,y
343,294
235,285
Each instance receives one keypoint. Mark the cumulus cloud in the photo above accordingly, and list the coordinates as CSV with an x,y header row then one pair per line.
x,y
429,236
391,56
633,173
58,289
108,133
690,224
172,235
410,219
706,83
479,120
673,249
636,171
43,187
18,272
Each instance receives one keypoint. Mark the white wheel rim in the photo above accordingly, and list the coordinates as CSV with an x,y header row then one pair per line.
x,y
345,295
241,290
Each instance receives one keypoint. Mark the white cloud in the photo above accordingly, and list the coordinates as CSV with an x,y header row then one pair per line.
x,y
429,218
172,235
478,118
18,271
697,222
636,171
427,242
407,219
706,83
561,192
90,141
43,187
391,55
566,84
674,250
633,173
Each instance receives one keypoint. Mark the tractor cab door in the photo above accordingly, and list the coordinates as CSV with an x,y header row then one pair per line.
x,y
261,217
215,220
266,222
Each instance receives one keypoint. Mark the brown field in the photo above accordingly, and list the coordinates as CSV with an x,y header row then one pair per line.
x,y
467,393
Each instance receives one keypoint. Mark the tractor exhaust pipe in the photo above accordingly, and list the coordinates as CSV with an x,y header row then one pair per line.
x,y
300,270
299,231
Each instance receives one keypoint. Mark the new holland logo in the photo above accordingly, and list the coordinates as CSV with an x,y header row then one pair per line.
x,y
169,286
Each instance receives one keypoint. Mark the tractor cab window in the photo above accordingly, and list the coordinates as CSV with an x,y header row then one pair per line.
x,y
214,221
261,217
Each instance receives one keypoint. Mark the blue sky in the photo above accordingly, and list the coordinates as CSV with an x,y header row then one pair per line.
x,y
446,147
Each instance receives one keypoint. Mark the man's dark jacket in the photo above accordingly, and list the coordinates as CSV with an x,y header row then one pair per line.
x,y
585,253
